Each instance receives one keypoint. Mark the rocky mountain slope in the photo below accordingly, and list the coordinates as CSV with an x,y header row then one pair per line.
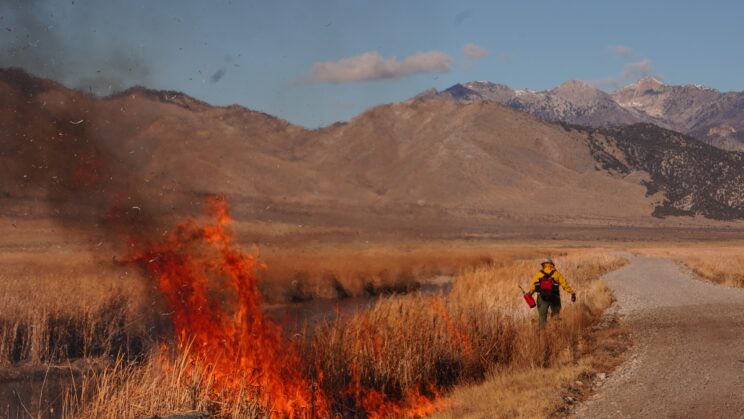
x,y
706,114
421,166
573,102
709,115
694,178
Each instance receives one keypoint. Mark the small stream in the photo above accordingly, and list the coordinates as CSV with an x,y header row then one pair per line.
x,y
293,316
39,392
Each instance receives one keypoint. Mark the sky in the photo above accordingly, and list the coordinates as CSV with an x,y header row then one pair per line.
x,y
316,62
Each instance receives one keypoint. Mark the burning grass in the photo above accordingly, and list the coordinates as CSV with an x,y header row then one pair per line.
x,y
60,301
395,359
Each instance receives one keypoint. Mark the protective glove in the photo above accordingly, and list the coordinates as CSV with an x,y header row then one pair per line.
x,y
573,297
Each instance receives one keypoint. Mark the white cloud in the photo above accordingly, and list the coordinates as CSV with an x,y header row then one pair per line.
x,y
623,52
637,69
630,72
633,69
373,66
474,52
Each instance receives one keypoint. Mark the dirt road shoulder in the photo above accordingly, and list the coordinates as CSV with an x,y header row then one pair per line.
x,y
688,355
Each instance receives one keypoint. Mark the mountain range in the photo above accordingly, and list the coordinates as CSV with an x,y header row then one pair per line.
x,y
714,117
426,166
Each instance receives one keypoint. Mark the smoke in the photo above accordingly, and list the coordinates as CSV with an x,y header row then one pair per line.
x,y
75,159
63,155
633,69
218,75
62,149
66,49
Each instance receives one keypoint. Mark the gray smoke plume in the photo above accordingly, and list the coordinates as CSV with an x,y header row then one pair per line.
x,y
98,63
218,75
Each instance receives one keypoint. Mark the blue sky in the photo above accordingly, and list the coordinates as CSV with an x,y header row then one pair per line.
x,y
286,57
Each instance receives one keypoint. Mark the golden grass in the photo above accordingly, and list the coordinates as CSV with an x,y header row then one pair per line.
x,y
61,301
513,393
56,306
720,264
479,328
482,326
545,367
538,392
533,392
83,308
65,302
158,387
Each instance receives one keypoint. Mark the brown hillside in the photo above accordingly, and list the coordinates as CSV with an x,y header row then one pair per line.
x,y
481,156
437,167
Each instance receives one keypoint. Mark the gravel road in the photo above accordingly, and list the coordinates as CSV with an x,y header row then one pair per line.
x,y
688,354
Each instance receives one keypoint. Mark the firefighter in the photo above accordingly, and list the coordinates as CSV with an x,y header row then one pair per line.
x,y
547,283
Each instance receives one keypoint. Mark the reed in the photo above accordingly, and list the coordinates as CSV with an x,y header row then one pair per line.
x,y
417,343
407,352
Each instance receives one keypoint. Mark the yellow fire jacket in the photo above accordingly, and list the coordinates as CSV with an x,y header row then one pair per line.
x,y
560,279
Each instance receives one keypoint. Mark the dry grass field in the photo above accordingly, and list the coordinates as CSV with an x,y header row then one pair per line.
x,y
66,304
402,356
546,368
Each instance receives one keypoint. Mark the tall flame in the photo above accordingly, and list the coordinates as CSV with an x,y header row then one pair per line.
x,y
242,347
210,287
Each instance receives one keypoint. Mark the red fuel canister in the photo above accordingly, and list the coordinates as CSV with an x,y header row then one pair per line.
x,y
528,297
530,300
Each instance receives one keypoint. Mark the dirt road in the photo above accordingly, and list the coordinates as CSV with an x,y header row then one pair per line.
x,y
688,358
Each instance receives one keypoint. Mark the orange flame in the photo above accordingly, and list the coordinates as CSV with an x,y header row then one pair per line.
x,y
241,347
458,333
210,287
378,405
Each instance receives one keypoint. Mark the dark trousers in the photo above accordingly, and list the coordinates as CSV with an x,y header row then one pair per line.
x,y
554,304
